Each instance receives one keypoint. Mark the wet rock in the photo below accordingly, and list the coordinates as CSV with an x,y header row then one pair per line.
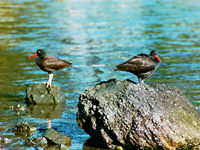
x,y
90,144
57,138
36,141
2,146
138,116
39,94
24,129
6,140
63,147
18,108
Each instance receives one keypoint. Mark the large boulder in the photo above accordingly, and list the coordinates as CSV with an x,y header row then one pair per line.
x,y
138,116
39,94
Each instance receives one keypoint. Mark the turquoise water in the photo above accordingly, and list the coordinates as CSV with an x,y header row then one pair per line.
x,y
94,35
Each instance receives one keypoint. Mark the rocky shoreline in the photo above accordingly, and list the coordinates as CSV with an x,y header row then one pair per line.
x,y
117,115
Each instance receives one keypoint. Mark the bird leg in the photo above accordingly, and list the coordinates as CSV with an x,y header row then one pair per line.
x,y
49,123
142,81
50,80
138,79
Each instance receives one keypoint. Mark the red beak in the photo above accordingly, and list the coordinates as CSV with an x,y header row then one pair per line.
x,y
157,58
33,56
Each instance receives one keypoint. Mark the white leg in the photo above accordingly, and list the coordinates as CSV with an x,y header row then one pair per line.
x,y
50,80
49,123
142,81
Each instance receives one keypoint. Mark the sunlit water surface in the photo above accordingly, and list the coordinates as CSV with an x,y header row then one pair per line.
x,y
95,35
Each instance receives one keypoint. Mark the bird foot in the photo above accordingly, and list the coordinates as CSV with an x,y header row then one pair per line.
x,y
48,86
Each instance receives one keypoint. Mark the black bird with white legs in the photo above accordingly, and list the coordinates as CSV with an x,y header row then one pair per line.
x,y
49,63
142,65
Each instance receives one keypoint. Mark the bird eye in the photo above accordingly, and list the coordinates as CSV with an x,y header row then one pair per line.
x,y
38,51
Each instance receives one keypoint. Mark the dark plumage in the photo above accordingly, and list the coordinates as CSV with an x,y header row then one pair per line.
x,y
142,65
49,63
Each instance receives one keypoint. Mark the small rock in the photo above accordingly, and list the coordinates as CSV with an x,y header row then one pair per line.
x,y
18,108
24,129
63,147
6,140
57,138
115,147
38,141
39,94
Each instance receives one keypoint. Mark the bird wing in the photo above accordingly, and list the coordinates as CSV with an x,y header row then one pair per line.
x,y
55,63
139,63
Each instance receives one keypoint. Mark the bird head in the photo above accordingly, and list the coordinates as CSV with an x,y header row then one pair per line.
x,y
40,53
154,54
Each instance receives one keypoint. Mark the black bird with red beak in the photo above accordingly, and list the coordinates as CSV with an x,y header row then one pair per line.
x,y
49,64
142,65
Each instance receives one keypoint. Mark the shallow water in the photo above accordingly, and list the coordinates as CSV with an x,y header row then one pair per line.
x,y
95,36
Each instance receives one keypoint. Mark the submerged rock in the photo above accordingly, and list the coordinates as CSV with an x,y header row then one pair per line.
x,y
138,115
39,94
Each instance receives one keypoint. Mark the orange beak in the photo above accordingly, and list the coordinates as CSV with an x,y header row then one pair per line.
x,y
33,56
157,58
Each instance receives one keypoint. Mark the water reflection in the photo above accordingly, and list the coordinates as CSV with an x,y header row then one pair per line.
x,y
95,36
45,111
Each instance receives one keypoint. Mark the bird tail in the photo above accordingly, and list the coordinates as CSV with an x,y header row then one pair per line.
x,y
117,69
68,64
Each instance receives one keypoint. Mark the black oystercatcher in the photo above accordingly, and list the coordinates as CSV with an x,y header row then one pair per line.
x,y
49,64
142,65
